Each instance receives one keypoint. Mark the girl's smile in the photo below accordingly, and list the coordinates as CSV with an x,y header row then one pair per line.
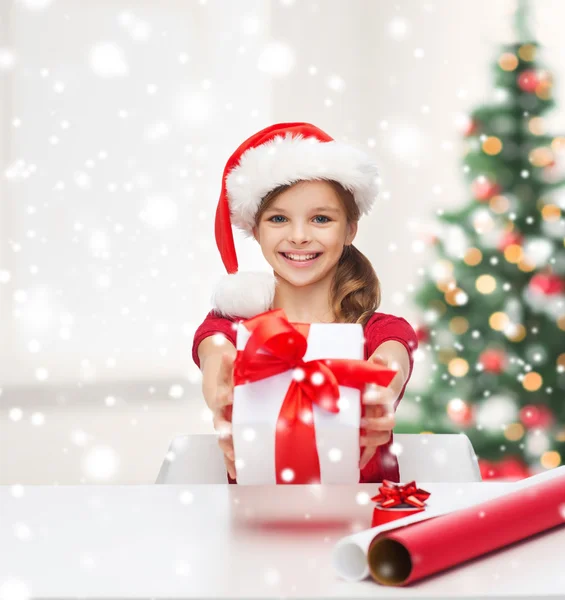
x,y
300,260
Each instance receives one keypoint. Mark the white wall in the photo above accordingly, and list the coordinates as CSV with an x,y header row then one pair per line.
x,y
96,292
108,239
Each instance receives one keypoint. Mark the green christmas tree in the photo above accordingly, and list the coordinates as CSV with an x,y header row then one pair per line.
x,y
493,304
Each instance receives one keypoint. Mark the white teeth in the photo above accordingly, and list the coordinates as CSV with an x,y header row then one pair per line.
x,y
300,257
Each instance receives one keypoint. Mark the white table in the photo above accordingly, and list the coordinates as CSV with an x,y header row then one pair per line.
x,y
178,541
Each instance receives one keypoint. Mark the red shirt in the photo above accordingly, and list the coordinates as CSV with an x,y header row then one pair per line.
x,y
380,328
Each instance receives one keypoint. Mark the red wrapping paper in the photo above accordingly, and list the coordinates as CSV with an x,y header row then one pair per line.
x,y
404,555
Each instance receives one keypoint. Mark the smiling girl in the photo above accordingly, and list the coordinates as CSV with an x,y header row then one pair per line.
x,y
300,195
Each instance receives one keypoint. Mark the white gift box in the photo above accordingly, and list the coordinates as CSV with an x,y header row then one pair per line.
x,y
256,408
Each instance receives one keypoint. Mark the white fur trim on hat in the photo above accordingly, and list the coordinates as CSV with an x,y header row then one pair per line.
x,y
244,294
283,161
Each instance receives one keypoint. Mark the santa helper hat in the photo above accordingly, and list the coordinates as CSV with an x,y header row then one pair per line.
x,y
281,154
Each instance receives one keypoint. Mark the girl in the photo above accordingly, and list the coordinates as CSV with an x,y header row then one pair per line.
x,y
300,195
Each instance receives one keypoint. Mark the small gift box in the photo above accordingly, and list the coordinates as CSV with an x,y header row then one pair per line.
x,y
397,500
297,400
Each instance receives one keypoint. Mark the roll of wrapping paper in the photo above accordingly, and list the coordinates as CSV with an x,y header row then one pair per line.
x,y
404,555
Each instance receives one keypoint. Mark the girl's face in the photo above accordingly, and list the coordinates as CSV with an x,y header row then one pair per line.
x,y
306,219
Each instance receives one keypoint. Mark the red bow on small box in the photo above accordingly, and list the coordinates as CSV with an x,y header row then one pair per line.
x,y
393,494
397,495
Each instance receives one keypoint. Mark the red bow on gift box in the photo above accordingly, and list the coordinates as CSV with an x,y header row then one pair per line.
x,y
394,494
274,347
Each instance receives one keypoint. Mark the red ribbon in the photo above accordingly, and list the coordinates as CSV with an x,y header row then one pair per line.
x,y
274,347
393,494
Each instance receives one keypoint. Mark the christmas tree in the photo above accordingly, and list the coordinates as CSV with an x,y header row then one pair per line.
x,y
493,318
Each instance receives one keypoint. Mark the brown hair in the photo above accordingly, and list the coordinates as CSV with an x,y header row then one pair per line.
x,y
355,292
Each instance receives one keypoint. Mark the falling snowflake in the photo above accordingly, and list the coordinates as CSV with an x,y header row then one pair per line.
x,y
15,414
17,490
396,448
405,142
182,568
287,475
22,531
335,454
276,59
249,434
398,28
362,498
317,378
14,589
160,212
37,419
186,497
79,437
107,60
176,391
101,462
272,577
7,59
36,5
336,83
251,25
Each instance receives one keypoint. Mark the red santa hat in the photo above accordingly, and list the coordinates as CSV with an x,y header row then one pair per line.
x,y
281,154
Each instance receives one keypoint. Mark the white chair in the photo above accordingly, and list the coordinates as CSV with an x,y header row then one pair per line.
x,y
448,457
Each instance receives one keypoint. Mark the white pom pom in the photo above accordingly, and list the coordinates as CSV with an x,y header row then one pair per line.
x,y
244,294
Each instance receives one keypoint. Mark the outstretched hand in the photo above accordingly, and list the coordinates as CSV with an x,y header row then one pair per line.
x,y
378,422
222,412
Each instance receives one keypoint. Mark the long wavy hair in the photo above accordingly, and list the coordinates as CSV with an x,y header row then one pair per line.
x,y
355,292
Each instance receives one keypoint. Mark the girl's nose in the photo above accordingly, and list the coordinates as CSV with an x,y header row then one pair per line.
x,y
299,234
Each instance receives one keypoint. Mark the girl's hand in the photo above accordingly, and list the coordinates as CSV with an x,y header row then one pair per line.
x,y
223,412
378,422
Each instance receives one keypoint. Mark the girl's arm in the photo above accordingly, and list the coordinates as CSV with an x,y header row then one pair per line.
x,y
380,402
395,356
210,355
216,362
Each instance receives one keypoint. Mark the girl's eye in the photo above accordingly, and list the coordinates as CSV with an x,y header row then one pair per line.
x,y
317,217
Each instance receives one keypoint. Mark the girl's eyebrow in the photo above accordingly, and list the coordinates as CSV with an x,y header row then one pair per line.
x,y
318,208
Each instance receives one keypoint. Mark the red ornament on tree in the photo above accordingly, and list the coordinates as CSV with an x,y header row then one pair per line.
x,y
510,238
512,468
422,333
547,284
471,127
528,81
488,469
493,361
533,416
483,189
461,413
